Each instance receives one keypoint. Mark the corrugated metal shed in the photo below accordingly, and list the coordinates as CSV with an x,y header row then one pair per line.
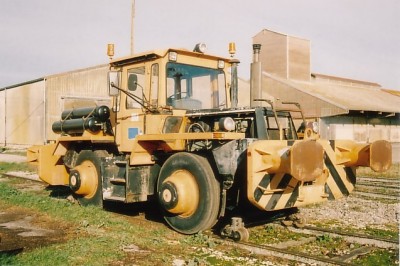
x,y
355,96
21,113
28,110
83,87
287,90
324,98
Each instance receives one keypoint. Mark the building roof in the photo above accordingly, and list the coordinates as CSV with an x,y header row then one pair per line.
x,y
335,96
397,93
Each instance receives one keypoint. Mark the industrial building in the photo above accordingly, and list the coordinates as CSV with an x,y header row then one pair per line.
x,y
28,110
345,108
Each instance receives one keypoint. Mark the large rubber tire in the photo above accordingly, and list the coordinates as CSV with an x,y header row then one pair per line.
x,y
92,159
205,213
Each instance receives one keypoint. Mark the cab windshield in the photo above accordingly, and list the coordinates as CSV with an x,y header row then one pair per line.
x,y
194,87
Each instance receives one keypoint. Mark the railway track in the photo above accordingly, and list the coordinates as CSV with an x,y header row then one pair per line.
x,y
372,183
284,250
361,239
378,180
373,189
378,188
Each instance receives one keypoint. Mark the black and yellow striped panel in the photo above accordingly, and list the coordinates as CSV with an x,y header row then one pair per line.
x,y
269,191
277,191
341,179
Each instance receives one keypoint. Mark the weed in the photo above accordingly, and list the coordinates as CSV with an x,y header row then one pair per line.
x,y
273,234
324,239
379,257
200,239
392,234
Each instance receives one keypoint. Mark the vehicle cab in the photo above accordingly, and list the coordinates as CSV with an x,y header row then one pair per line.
x,y
164,83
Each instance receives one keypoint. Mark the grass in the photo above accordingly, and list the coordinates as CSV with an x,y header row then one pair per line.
x,y
270,234
392,231
98,237
379,257
8,167
326,246
81,251
100,234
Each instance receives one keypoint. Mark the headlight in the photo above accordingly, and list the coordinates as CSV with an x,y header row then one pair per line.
x,y
200,48
172,56
221,64
315,127
227,124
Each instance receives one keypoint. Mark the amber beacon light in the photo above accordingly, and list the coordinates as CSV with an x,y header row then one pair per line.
x,y
110,50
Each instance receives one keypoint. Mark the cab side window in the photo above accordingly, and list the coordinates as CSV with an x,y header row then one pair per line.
x,y
136,83
154,83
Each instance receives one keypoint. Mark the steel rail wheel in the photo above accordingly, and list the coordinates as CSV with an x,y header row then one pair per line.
x,y
85,178
188,193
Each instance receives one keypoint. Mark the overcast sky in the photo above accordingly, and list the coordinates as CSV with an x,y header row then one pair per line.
x,y
358,39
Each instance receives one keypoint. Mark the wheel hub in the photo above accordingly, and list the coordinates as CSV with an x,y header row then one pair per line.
x,y
74,180
169,196
179,193
83,179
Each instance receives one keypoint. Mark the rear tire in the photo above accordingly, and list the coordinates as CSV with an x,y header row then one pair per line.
x,y
188,193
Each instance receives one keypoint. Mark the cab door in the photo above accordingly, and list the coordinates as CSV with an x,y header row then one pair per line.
x,y
131,115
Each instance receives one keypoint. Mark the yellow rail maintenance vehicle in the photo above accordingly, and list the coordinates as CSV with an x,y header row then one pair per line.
x,y
174,133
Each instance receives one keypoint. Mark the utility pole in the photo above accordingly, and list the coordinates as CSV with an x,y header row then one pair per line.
x,y
132,26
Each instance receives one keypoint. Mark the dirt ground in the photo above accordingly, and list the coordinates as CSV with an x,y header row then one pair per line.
x,y
22,230
11,158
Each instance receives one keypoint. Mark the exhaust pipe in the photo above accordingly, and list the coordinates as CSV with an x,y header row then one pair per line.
x,y
255,77
234,76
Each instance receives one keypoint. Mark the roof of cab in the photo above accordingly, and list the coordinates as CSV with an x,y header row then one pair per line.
x,y
154,54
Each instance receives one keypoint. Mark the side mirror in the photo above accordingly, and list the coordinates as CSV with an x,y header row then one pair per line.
x,y
132,82
113,80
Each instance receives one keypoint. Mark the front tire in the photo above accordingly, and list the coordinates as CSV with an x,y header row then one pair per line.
x,y
188,193
85,178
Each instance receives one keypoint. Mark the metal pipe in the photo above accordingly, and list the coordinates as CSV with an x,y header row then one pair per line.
x,y
234,83
5,117
132,26
255,77
45,140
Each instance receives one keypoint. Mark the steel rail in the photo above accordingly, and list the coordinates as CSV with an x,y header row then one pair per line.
x,y
362,239
265,250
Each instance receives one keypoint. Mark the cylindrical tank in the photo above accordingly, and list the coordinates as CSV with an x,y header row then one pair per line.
x,y
101,112
77,126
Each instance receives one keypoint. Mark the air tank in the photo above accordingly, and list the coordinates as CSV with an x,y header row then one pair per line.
x,y
77,125
102,113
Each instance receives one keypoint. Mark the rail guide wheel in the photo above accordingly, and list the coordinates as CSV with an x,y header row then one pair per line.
x,y
236,230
